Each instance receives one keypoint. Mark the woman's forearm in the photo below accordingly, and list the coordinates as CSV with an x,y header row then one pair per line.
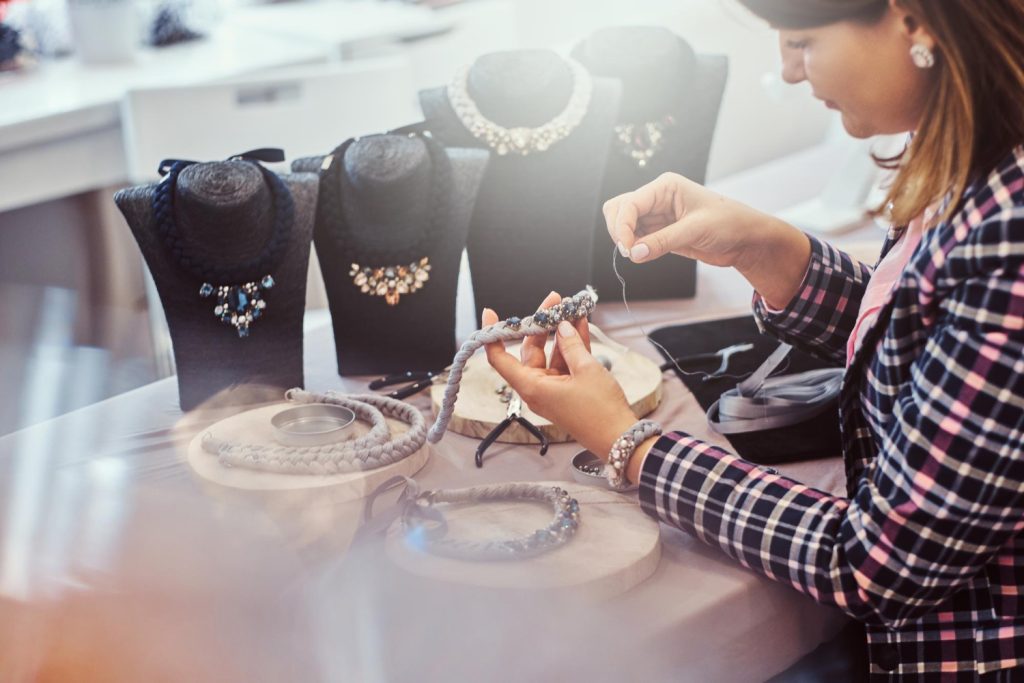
x,y
776,260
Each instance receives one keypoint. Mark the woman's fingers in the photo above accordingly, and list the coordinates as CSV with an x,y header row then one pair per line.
x,y
634,217
583,328
611,212
517,375
510,369
532,353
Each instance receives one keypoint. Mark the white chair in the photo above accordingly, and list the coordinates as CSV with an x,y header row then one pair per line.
x,y
303,110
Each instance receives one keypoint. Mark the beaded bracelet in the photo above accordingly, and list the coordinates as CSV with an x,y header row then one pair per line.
x,y
425,526
542,322
622,450
374,449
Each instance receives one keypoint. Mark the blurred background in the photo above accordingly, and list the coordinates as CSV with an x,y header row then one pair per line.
x,y
94,92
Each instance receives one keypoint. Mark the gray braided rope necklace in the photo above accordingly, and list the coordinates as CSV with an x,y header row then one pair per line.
x,y
372,450
426,528
542,322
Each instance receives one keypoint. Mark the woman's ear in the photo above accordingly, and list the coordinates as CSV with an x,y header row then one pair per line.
x,y
911,26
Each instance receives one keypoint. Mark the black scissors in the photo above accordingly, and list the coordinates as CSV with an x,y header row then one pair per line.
x,y
415,381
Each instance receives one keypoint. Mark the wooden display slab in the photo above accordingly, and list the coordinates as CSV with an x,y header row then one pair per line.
x,y
479,408
253,426
615,548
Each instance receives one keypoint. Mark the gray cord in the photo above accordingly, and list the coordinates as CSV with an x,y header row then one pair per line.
x,y
372,450
426,528
513,329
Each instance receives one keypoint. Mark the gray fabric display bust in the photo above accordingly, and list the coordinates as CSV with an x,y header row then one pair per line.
x,y
661,77
386,185
224,213
532,230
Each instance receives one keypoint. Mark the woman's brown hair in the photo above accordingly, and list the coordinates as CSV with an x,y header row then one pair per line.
x,y
975,109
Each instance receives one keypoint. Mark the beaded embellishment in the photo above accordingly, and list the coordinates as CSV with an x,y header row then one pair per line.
x,y
425,526
389,279
641,142
238,305
391,282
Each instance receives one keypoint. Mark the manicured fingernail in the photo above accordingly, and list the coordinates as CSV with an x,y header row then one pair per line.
x,y
565,329
623,250
639,252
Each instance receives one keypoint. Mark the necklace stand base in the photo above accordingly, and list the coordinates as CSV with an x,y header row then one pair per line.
x,y
616,547
254,426
479,408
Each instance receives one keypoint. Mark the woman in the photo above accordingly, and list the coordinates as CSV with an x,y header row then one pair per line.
x,y
926,551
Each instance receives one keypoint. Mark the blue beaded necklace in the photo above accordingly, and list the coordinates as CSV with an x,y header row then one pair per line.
x,y
238,288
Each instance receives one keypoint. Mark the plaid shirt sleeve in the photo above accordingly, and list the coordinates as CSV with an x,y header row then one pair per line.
x,y
821,316
942,496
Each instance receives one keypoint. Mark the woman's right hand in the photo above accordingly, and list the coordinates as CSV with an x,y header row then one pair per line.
x,y
673,214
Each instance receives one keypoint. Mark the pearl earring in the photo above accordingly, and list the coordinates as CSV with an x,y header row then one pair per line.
x,y
922,56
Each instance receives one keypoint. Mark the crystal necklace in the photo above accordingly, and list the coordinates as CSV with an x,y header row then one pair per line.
x,y
238,288
425,525
641,142
522,141
396,269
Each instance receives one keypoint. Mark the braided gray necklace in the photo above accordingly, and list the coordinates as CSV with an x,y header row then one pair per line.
x,y
543,322
372,450
426,528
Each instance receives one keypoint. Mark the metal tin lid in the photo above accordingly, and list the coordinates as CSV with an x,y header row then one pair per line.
x,y
589,469
312,424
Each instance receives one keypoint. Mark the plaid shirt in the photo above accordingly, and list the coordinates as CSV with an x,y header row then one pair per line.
x,y
926,549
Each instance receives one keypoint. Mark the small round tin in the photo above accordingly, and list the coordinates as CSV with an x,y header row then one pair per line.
x,y
587,468
312,424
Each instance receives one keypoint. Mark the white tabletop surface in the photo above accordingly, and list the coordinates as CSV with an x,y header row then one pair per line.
x,y
104,522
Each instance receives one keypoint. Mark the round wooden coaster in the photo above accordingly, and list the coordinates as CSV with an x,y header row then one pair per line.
x,y
615,548
253,426
479,408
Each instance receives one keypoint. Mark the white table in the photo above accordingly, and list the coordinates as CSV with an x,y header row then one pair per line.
x,y
104,523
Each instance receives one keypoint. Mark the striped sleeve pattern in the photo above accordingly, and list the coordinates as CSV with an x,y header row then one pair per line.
x,y
821,316
941,498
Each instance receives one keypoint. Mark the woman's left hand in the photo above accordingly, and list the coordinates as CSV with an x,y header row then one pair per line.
x,y
575,392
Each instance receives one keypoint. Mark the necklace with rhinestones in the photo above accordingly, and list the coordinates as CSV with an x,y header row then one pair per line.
x,y
238,288
395,269
641,142
425,526
522,141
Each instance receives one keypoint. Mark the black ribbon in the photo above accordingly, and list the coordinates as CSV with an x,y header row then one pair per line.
x,y
267,155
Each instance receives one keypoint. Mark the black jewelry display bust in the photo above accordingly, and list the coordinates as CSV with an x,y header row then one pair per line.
x,y
386,185
532,230
224,213
661,77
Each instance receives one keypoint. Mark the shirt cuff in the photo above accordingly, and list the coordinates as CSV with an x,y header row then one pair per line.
x,y
766,316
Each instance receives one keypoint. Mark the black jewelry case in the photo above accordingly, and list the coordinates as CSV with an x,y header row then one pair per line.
x,y
813,439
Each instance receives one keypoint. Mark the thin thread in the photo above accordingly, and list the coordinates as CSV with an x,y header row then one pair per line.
x,y
672,358
761,395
